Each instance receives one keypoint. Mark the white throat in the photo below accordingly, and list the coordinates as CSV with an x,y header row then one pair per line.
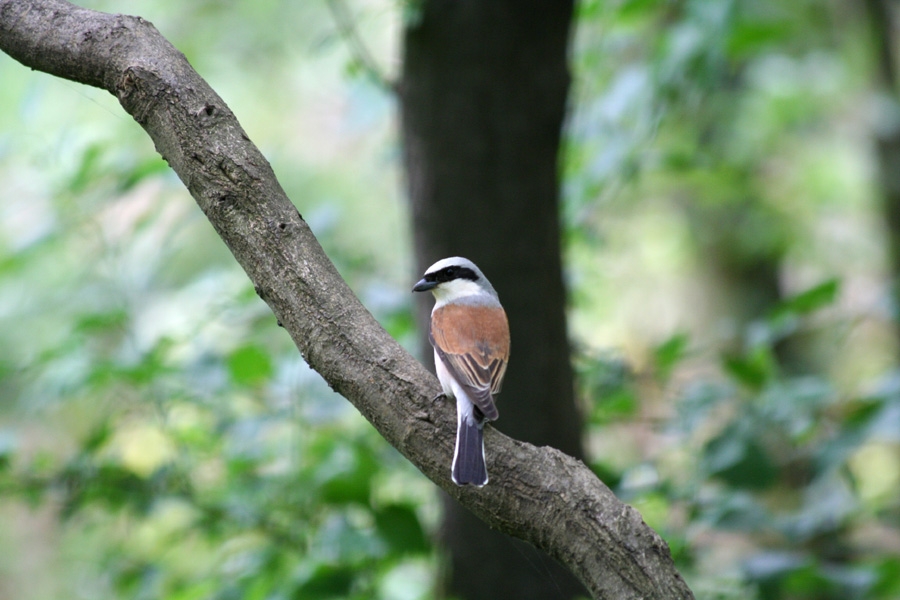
x,y
458,289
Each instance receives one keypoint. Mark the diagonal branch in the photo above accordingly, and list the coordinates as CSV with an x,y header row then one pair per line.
x,y
537,494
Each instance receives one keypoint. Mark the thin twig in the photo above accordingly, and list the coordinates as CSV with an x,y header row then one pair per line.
x,y
347,28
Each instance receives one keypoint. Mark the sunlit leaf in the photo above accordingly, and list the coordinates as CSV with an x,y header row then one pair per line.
x,y
99,322
887,584
748,38
638,8
197,591
809,301
250,365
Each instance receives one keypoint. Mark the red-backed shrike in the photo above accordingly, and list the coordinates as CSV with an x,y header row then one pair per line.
x,y
470,335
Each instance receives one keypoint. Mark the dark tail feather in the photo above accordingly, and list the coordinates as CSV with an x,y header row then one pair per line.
x,y
468,460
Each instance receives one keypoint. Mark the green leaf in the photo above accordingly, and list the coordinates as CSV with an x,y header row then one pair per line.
x,y
327,582
100,322
250,365
110,485
808,582
148,168
399,526
754,369
630,9
194,591
608,383
97,438
739,461
750,38
88,170
130,577
888,578
808,301
346,474
607,473
617,405
7,448
668,354
399,323
153,364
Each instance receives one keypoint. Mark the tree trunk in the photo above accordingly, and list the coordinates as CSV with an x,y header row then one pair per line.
x,y
887,138
483,98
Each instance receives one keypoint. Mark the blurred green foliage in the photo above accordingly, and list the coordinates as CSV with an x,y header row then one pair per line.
x,y
772,486
725,234
161,438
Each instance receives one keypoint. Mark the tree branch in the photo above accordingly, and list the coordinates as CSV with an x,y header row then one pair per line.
x,y
538,494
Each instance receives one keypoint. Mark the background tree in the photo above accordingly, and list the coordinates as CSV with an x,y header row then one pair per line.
x,y
882,19
483,97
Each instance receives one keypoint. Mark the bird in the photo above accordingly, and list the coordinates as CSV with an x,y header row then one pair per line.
x,y
470,335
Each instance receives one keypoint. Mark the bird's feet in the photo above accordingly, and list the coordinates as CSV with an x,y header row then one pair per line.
x,y
439,398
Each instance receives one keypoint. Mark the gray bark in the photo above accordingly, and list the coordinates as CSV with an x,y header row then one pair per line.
x,y
537,494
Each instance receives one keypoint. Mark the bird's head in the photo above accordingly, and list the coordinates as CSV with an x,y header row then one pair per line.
x,y
454,278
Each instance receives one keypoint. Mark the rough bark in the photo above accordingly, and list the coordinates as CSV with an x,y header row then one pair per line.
x,y
483,98
538,494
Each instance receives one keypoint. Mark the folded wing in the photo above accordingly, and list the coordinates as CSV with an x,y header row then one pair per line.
x,y
473,342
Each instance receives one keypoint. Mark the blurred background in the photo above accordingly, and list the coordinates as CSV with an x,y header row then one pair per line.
x,y
730,247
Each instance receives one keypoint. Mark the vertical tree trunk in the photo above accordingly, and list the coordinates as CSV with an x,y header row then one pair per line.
x,y
483,98
887,137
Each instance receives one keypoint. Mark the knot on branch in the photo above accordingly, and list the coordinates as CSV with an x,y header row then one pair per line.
x,y
138,91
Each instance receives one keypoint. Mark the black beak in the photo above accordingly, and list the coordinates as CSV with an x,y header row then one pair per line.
x,y
424,286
